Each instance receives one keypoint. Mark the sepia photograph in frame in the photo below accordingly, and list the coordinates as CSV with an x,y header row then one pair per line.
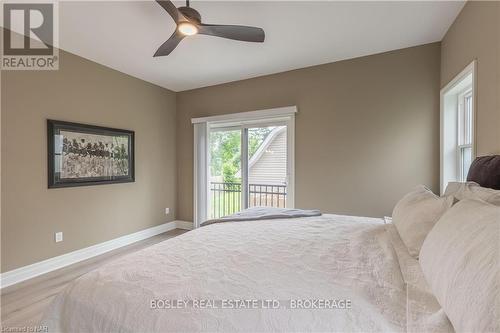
x,y
81,154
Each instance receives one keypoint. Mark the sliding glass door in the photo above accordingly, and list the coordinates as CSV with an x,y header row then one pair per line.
x,y
249,166
243,160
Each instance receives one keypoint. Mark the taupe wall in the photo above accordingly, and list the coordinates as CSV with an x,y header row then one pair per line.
x,y
81,91
475,34
367,130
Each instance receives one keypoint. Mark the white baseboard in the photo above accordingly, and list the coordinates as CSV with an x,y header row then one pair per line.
x,y
27,272
184,225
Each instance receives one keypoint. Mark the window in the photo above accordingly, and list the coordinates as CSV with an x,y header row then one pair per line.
x,y
457,127
464,146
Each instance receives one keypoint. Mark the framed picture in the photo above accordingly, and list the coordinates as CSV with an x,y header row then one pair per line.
x,y
80,155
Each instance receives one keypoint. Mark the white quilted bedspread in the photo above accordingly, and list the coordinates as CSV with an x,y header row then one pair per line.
x,y
328,257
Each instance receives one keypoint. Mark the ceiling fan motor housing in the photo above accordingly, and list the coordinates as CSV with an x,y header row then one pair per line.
x,y
191,14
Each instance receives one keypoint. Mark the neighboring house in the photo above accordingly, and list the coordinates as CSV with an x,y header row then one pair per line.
x,y
268,164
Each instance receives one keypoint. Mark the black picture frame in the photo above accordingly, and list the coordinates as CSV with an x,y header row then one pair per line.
x,y
80,154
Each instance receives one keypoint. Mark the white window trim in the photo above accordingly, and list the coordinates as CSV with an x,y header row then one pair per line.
x,y
200,176
471,69
249,115
202,126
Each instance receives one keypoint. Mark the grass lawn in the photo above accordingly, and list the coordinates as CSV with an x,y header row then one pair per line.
x,y
224,203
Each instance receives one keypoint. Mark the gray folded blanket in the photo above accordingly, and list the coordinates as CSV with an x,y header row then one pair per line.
x,y
264,213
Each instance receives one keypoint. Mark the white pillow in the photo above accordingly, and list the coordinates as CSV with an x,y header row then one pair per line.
x,y
415,215
459,259
471,190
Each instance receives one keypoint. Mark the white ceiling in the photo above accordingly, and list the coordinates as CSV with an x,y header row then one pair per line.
x,y
124,35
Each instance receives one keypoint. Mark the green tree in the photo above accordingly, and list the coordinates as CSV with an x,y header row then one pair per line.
x,y
225,151
256,137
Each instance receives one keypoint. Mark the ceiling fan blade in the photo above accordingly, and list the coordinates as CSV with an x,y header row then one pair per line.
x,y
167,47
237,32
172,10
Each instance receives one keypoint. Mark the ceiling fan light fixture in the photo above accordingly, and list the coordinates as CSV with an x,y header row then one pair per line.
x,y
187,28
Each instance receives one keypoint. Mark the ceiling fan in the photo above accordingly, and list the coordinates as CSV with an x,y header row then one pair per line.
x,y
188,22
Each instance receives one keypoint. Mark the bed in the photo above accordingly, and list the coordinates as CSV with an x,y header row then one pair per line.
x,y
322,273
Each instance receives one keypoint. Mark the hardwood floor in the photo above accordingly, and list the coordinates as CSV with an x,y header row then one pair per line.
x,y
22,304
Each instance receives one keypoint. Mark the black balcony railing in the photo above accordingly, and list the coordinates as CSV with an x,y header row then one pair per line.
x,y
226,197
267,195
